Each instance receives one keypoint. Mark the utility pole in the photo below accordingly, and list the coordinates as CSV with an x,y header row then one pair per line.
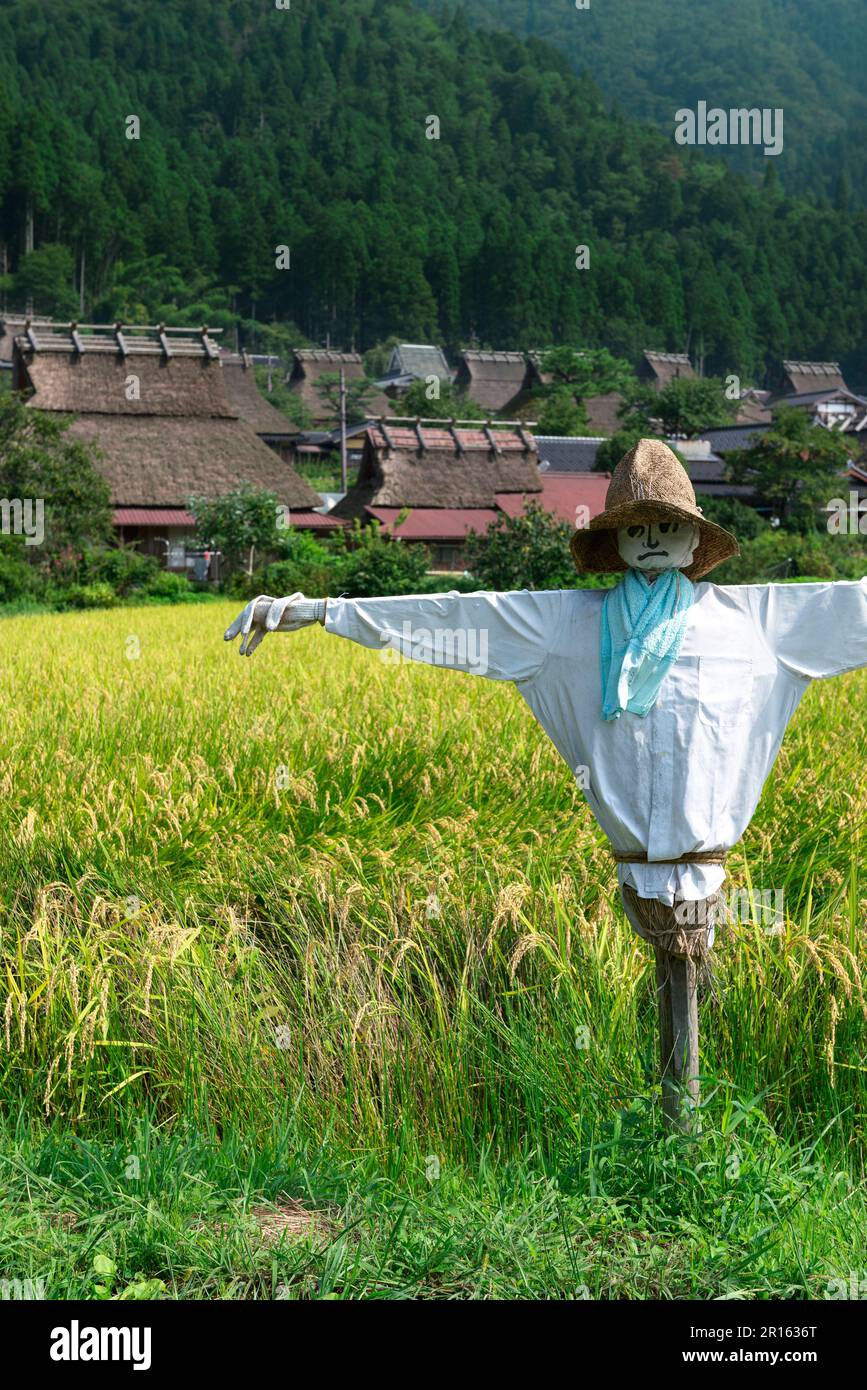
x,y
344,484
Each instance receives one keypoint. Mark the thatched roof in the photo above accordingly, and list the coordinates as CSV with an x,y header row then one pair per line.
x,y
247,401
806,377
176,437
109,385
311,364
602,413
13,324
662,367
494,380
435,466
161,462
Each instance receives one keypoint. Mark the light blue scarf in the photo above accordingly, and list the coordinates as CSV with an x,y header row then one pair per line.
x,y
640,632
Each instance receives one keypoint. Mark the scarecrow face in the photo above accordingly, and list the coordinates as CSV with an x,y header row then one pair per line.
x,y
658,545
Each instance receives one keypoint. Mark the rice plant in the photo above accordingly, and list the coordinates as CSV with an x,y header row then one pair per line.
x,y
316,929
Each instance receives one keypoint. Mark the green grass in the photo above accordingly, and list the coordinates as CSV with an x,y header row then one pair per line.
x,y
314,929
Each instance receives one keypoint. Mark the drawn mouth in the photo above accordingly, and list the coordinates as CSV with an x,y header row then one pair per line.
x,y
652,554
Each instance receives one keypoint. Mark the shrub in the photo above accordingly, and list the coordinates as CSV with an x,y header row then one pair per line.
x,y
18,579
370,563
98,595
530,551
166,585
777,555
124,569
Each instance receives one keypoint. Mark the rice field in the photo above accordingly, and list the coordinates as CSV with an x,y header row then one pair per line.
x,y
315,984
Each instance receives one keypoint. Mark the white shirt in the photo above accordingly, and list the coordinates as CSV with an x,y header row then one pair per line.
x,y
686,777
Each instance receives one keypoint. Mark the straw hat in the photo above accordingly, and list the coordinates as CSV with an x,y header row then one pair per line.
x,y
649,484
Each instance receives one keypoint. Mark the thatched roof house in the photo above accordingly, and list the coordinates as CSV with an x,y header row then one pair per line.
x,y
494,380
660,368
804,378
310,365
448,479
411,362
247,401
153,402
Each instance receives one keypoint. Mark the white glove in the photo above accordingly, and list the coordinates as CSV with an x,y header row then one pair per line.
x,y
266,614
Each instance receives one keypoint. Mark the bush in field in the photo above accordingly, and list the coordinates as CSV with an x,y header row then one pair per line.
x,y
125,569
99,595
370,563
304,565
523,552
18,578
776,554
168,587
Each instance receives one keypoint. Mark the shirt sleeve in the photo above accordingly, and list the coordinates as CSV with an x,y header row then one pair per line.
x,y
502,636
814,630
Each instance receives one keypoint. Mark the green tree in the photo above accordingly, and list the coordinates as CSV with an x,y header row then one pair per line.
x,y
358,393
562,414
371,562
682,408
45,278
449,404
240,524
40,463
530,551
796,468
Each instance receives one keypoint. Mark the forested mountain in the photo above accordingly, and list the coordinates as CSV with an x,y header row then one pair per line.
x,y
307,128
653,56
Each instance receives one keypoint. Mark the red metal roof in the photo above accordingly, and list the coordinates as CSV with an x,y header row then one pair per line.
x,y
315,521
176,516
153,516
435,523
562,494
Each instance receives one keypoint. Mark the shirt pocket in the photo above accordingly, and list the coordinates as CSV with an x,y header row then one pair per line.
x,y
725,690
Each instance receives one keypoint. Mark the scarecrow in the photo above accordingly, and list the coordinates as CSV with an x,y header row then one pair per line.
x,y
670,695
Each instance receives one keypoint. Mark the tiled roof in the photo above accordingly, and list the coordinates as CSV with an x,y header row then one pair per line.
x,y
567,453
419,360
727,438
801,398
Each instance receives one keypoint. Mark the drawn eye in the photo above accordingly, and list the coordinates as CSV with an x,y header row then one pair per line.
x,y
633,531
666,526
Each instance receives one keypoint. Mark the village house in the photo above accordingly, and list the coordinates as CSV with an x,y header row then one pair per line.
x,y
311,365
434,483
413,362
819,388
153,404
658,369
496,381
245,398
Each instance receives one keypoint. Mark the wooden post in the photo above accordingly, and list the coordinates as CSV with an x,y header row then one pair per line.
x,y
677,1000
